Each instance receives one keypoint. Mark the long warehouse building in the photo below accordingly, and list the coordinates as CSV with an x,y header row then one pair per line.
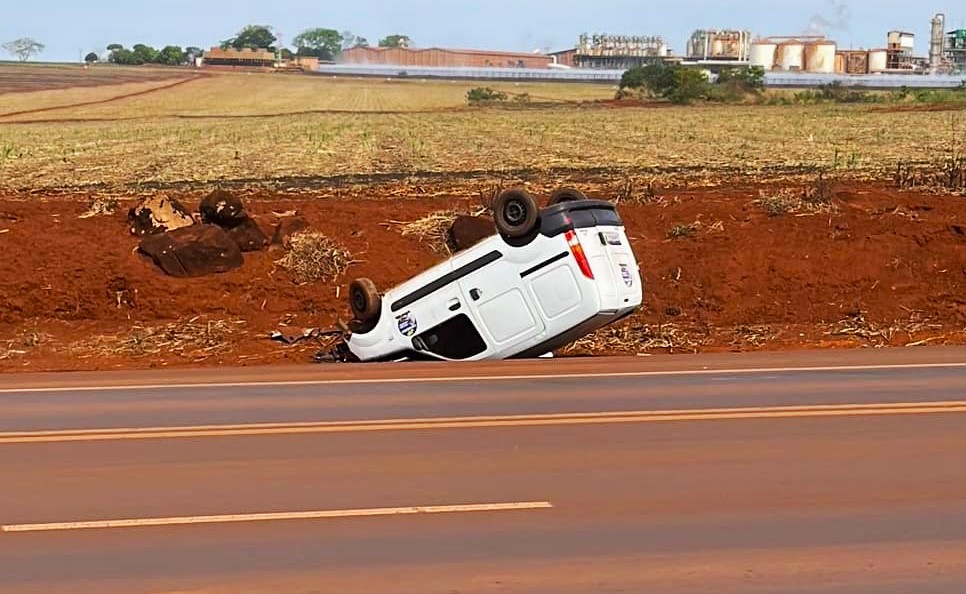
x,y
447,58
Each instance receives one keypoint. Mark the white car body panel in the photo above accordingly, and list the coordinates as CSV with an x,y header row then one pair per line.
x,y
508,301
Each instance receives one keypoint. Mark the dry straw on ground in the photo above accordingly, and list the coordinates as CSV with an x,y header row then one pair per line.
x,y
792,201
857,326
636,337
25,341
433,229
100,206
195,338
315,257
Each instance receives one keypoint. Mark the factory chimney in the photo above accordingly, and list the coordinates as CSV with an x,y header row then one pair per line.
x,y
936,42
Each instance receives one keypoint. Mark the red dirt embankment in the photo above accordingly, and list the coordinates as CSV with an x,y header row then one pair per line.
x,y
884,268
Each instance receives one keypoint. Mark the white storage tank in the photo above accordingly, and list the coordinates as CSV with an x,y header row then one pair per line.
x,y
878,60
763,54
792,56
717,47
820,57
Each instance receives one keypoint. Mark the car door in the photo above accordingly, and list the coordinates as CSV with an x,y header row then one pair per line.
x,y
503,310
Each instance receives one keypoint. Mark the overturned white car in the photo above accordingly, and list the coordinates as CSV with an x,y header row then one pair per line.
x,y
545,279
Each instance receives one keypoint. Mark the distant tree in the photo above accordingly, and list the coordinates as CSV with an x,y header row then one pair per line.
x,y
361,42
395,41
114,47
24,48
91,58
690,84
679,84
654,79
253,36
125,57
320,43
745,80
171,55
192,53
145,53
287,54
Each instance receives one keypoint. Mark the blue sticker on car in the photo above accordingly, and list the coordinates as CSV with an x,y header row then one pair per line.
x,y
407,324
626,275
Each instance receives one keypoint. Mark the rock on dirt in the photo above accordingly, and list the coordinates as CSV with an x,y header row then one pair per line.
x,y
157,215
467,231
223,209
248,236
286,228
199,250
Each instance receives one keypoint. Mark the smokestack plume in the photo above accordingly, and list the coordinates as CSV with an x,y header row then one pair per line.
x,y
838,17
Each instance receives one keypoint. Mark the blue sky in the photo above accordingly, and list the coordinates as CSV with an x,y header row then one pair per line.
x,y
70,26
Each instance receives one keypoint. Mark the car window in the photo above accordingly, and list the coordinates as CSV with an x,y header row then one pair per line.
x,y
456,338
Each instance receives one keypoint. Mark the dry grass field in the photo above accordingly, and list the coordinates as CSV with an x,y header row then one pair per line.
x,y
269,126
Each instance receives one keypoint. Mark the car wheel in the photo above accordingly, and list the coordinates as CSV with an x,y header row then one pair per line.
x,y
566,195
516,213
365,300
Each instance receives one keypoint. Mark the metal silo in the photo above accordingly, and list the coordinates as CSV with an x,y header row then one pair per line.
x,y
792,56
820,57
763,54
717,47
878,60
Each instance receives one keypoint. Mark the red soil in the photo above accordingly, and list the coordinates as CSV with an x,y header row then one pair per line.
x,y
20,79
119,97
897,259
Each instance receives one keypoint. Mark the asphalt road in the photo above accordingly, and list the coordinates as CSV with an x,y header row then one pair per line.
x,y
827,472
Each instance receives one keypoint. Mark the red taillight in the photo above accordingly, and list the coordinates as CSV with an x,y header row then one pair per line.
x,y
578,251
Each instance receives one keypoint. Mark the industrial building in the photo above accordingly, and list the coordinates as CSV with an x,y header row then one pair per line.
x,y
794,54
821,56
956,50
711,49
947,49
782,57
239,58
439,57
605,51
719,45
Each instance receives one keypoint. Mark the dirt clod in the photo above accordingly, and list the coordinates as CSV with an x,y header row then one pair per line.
x,y
193,251
157,215
248,236
223,209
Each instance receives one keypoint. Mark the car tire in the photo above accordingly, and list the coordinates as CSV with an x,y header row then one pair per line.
x,y
566,195
365,300
516,213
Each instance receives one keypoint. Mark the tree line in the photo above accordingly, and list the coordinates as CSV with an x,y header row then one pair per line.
x,y
170,55
325,44
322,43
684,85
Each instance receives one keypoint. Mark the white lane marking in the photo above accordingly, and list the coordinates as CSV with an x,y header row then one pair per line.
x,y
276,516
480,378
530,420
